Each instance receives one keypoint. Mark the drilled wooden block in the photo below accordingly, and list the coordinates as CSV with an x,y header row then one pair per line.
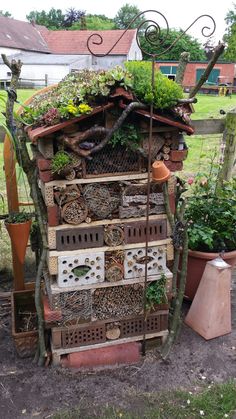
x,y
134,263
49,196
136,232
51,239
170,252
79,238
52,265
45,146
56,338
81,269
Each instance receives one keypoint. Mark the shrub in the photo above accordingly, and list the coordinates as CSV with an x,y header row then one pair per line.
x,y
165,94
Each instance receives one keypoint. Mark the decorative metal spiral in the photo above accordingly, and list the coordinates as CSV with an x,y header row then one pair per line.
x,y
152,32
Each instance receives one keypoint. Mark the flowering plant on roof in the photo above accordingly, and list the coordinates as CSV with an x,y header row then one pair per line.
x,y
79,92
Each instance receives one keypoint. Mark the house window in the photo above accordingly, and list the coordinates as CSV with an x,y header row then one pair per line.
x,y
8,74
212,78
169,71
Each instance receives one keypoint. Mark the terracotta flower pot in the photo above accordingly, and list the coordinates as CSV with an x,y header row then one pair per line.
x,y
19,235
160,173
196,265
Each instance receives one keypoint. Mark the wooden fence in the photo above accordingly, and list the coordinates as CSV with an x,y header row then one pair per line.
x,y
202,127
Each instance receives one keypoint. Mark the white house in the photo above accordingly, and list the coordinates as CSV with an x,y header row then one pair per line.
x,y
56,53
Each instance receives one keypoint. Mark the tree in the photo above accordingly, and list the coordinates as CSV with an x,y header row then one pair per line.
x,y
52,20
186,43
95,22
6,14
125,15
230,35
72,16
209,48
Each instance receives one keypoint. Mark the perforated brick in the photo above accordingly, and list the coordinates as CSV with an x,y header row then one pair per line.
x,y
156,322
79,238
93,263
136,232
83,336
134,264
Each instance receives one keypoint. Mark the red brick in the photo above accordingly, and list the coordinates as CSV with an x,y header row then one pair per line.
x,y
43,164
174,166
45,176
50,316
123,353
53,216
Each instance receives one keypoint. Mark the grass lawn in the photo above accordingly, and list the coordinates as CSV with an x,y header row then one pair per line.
x,y
208,106
216,401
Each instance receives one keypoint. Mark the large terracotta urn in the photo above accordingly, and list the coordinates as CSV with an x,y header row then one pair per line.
x,y
196,265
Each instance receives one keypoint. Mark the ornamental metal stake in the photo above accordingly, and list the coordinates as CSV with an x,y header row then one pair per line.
x,y
152,32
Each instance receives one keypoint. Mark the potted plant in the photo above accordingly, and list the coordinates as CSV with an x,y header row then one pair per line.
x,y
211,216
18,225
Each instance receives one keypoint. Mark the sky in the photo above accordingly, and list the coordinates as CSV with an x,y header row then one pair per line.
x,y
179,13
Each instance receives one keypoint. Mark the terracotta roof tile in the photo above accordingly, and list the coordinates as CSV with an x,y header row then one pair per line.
x,y
75,42
22,35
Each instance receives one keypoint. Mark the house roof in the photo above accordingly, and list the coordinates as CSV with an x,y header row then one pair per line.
x,y
30,37
44,59
22,35
75,42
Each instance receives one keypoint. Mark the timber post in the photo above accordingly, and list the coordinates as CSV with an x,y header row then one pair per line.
x,y
228,165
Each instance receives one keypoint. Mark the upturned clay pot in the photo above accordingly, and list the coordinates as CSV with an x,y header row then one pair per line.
x,y
196,265
160,173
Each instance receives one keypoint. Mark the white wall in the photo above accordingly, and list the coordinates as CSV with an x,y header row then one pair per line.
x,y
9,51
134,52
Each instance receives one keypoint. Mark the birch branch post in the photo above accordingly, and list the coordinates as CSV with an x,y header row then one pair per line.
x,y
29,168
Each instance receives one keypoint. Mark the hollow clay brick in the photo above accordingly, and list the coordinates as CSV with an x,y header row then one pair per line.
x,y
124,353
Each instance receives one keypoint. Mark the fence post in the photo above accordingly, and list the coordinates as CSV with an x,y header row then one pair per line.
x,y
227,168
46,80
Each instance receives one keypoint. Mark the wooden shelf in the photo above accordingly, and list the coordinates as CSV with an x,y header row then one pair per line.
x,y
56,353
114,178
55,253
104,222
57,290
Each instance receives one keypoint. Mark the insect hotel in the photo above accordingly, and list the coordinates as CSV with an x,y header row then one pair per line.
x,y
108,278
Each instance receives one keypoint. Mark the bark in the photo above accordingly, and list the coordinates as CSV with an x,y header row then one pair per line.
x,y
73,142
176,318
167,206
217,52
184,59
229,163
28,166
